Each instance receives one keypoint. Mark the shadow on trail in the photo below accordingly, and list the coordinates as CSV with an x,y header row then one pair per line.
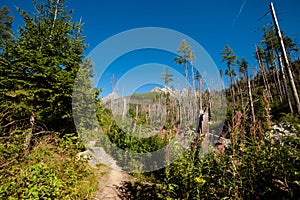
x,y
138,191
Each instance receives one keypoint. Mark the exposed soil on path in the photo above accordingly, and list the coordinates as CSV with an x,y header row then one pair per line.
x,y
109,183
110,176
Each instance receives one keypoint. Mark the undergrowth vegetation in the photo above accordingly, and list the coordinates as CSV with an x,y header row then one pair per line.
x,y
50,171
39,140
254,166
251,168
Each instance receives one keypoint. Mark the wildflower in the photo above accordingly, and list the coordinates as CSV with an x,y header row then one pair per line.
x,y
199,180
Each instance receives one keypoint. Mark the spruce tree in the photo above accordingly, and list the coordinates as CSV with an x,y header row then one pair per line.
x,y
5,25
230,58
42,64
166,77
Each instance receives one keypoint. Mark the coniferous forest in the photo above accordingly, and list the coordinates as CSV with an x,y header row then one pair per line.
x,y
255,156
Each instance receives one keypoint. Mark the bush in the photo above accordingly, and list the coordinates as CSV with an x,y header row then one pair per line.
x,y
250,169
47,172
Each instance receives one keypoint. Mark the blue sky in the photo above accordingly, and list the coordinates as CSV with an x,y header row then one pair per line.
x,y
213,23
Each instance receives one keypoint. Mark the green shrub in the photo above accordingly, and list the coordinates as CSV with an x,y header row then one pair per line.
x,y
250,169
47,172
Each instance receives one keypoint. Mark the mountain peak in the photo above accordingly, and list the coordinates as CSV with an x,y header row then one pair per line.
x,y
110,97
162,90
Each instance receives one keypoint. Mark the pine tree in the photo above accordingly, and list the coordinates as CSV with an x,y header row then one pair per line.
x,y
272,49
230,58
243,70
166,77
186,56
85,101
5,25
44,60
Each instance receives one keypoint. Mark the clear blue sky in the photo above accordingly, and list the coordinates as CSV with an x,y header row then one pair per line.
x,y
212,23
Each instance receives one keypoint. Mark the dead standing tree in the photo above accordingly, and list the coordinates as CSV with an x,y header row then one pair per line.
x,y
286,91
286,60
263,72
186,58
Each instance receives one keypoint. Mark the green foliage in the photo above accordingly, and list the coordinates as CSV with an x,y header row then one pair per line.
x,y
38,69
48,170
71,143
40,65
134,144
251,169
292,122
85,98
296,67
5,25
38,140
114,138
146,95
166,77
243,68
260,110
47,173
230,58
187,54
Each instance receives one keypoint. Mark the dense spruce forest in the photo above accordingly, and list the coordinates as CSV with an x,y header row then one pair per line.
x,y
255,156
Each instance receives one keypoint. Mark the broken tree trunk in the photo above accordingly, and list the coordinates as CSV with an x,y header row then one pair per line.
x,y
29,134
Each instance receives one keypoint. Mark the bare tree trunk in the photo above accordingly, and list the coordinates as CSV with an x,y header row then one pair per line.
x,y
274,74
276,84
266,82
29,134
193,78
191,109
54,18
285,84
186,76
149,113
240,92
244,90
288,66
112,83
233,92
279,85
136,118
200,94
231,89
124,109
251,102
204,128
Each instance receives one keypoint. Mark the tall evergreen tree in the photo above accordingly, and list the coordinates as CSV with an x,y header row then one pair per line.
x,y
230,58
272,49
243,70
85,101
5,25
166,77
44,60
186,56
